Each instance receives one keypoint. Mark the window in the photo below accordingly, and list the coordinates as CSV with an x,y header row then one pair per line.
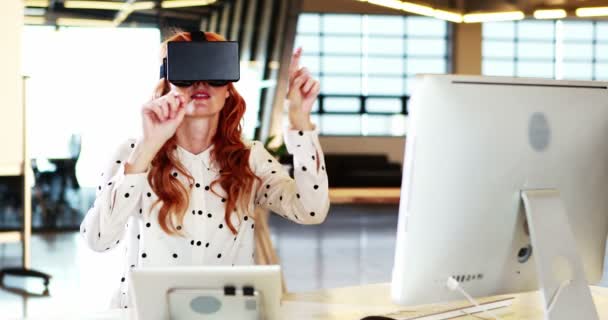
x,y
367,66
519,48
89,82
582,50
568,49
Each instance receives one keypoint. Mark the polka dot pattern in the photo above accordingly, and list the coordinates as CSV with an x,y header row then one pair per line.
x,y
205,239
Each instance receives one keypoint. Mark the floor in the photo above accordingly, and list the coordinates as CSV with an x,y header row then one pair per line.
x,y
354,246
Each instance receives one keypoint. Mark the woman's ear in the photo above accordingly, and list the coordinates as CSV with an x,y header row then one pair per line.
x,y
166,87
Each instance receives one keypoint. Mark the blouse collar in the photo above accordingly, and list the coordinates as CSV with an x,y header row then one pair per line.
x,y
204,156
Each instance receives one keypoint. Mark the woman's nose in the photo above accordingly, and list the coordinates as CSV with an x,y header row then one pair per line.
x,y
201,83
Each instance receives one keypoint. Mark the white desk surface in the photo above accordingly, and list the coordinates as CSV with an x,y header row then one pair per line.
x,y
352,303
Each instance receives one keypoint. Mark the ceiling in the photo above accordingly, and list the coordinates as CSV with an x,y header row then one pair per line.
x,y
186,18
524,5
190,17
464,6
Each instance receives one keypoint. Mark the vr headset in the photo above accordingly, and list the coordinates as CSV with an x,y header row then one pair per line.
x,y
215,62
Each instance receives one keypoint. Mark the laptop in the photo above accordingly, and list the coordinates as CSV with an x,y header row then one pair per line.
x,y
207,292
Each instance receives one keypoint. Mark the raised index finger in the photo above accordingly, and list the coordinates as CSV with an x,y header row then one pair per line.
x,y
295,61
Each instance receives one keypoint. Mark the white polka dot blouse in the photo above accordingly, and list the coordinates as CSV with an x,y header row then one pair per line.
x,y
122,211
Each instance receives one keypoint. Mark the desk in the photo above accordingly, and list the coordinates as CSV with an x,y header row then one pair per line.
x,y
352,303
375,299
364,195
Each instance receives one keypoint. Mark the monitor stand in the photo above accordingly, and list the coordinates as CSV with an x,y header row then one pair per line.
x,y
559,269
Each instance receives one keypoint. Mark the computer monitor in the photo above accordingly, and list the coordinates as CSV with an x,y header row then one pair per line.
x,y
475,146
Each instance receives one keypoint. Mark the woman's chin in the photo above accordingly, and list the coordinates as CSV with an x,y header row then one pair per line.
x,y
195,107
201,112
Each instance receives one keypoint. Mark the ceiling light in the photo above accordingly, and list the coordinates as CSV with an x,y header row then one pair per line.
x,y
417,9
108,5
592,12
185,3
403,6
36,3
493,16
103,5
447,15
550,14
124,13
393,4
72,22
143,5
34,20
121,16
34,11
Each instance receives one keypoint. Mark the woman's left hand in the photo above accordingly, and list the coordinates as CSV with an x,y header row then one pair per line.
x,y
302,94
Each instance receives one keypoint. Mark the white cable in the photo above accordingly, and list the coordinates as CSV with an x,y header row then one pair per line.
x,y
453,285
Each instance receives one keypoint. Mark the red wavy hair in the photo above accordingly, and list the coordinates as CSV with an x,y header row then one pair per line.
x,y
229,152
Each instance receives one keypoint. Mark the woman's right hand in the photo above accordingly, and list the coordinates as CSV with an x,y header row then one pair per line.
x,y
161,116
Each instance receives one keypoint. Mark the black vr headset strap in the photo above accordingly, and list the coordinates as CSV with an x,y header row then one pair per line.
x,y
163,69
197,36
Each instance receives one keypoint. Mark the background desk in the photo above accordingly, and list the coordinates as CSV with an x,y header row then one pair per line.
x,y
364,195
265,251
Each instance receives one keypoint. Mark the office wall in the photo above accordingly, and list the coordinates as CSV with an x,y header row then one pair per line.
x,y
11,119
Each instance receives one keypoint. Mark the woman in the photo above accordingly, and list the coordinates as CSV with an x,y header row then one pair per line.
x,y
185,192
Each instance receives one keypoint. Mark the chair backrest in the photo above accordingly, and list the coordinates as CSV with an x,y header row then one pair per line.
x,y
265,252
75,145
